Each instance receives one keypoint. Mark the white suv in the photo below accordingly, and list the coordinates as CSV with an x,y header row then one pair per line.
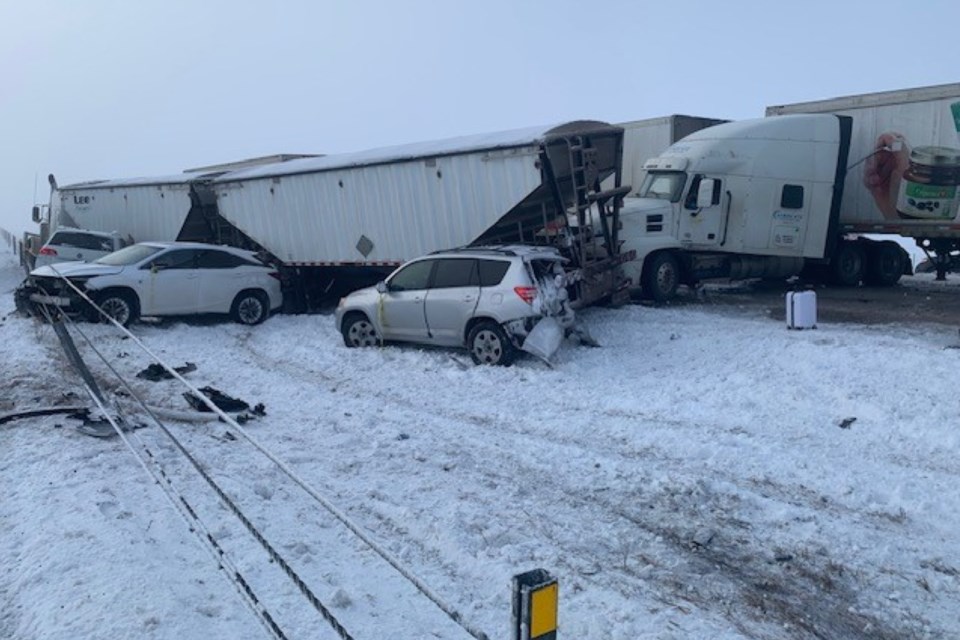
x,y
162,279
67,245
486,299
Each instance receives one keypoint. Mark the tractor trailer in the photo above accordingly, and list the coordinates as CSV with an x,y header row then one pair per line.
x,y
777,196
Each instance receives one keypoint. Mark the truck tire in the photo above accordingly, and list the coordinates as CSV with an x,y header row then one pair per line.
x,y
489,344
119,304
661,276
885,263
848,265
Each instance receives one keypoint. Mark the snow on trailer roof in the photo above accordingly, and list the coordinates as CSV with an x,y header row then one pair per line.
x,y
172,180
451,146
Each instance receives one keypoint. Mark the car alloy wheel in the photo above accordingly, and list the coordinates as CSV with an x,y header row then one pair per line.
x,y
359,332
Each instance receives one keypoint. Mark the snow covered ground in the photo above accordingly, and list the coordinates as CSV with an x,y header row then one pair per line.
x,y
698,476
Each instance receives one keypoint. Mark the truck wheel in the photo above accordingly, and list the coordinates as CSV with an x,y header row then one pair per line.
x,y
489,344
661,277
847,267
885,264
120,305
358,331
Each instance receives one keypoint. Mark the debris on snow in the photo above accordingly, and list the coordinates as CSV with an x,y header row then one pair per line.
x,y
217,397
846,422
156,372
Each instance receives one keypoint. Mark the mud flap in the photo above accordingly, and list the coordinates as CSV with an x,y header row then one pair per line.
x,y
545,339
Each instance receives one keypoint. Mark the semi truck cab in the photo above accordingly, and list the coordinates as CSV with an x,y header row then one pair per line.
x,y
738,200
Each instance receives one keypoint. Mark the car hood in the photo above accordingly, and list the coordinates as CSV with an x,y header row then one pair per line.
x,y
75,270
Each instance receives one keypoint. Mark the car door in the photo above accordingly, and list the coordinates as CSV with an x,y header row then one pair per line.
x,y
170,283
451,299
401,313
221,278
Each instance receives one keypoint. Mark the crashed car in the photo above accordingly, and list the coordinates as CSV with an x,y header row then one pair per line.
x,y
489,300
161,279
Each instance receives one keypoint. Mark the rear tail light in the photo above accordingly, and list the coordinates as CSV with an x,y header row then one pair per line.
x,y
48,251
275,275
527,294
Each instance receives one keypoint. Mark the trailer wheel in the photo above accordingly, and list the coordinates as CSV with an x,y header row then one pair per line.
x,y
120,305
489,344
885,264
250,307
661,276
848,265
358,331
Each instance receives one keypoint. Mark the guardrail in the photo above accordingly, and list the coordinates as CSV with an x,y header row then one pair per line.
x,y
12,241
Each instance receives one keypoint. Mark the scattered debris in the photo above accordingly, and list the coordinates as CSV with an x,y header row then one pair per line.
x,y
156,372
783,557
100,427
224,403
46,411
403,436
258,411
846,422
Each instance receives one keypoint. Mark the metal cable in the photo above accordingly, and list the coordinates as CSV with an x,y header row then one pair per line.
x,y
257,535
418,583
190,518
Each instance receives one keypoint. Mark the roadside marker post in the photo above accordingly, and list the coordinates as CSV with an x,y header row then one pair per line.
x,y
535,600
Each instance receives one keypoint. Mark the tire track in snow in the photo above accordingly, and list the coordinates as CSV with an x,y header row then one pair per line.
x,y
841,625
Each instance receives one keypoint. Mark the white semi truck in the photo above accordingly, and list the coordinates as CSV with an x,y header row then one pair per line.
x,y
775,196
336,223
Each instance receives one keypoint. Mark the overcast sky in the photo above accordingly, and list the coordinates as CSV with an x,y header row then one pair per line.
x,y
113,89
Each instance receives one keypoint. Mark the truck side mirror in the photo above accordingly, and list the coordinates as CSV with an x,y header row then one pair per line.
x,y
705,193
35,214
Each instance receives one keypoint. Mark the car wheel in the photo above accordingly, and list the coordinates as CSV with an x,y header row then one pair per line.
x,y
661,277
358,331
489,344
121,306
250,307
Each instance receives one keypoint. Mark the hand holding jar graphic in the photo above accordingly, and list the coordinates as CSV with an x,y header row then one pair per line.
x,y
884,170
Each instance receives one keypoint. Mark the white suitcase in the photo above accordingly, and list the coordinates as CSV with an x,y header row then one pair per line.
x,y
802,310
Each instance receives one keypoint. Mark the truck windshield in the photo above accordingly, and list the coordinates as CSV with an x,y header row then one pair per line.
x,y
128,255
665,185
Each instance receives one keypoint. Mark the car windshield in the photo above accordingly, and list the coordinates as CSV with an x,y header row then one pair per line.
x,y
128,255
664,185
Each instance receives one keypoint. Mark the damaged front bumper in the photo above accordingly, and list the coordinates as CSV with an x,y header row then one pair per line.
x,y
34,294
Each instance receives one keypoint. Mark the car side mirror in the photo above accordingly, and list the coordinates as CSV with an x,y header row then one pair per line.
x,y
157,266
382,287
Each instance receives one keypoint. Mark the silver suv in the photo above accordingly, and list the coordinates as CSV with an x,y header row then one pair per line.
x,y
486,299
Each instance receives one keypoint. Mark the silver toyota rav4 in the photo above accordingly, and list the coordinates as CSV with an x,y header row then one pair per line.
x,y
486,299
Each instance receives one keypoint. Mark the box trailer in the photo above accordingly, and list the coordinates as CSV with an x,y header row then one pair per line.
x,y
904,165
335,223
